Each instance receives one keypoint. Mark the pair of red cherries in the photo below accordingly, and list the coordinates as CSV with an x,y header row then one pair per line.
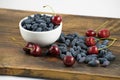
x,y
91,42
35,49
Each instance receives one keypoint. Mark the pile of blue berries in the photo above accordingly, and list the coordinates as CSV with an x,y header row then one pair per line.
x,y
40,23
74,47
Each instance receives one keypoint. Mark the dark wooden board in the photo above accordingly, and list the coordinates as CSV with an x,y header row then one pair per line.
x,y
13,61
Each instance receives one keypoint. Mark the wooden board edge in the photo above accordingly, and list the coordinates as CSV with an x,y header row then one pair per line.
x,y
53,74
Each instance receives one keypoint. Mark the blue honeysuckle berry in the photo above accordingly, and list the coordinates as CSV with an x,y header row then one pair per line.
x,y
78,57
68,53
105,63
74,47
67,42
62,34
75,53
34,26
78,48
84,51
63,50
37,15
71,50
89,58
83,54
110,57
81,41
62,45
94,55
82,59
105,42
48,29
73,42
39,29
82,37
61,39
28,21
43,25
28,26
76,34
51,25
40,21
24,27
83,46
93,63
69,37
102,53
48,20
62,56
102,60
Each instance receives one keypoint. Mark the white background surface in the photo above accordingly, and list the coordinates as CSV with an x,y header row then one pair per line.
x,y
101,8
17,78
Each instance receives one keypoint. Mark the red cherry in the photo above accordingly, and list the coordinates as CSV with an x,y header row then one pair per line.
x,y
90,41
104,33
90,32
93,50
68,60
36,50
28,47
29,44
27,50
33,49
56,19
54,50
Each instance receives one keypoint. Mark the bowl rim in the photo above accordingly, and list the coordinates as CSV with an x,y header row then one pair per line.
x,y
20,25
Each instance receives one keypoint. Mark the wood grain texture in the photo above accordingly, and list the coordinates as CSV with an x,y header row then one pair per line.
x,y
13,61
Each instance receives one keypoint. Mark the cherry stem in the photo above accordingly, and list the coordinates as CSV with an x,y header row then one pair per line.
x,y
101,26
50,8
114,39
30,49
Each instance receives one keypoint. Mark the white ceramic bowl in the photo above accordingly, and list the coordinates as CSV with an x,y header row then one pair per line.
x,y
44,38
